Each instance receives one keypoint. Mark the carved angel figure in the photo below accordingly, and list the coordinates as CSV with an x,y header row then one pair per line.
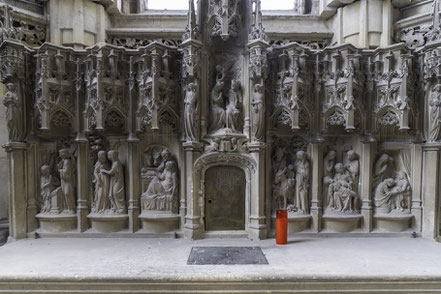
x,y
258,112
13,113
191,113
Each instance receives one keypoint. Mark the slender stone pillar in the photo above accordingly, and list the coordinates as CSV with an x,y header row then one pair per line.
x,y
317,183
431,189
193,227
366,179
82,184
32,187
417,175
133,183
17,190
257,226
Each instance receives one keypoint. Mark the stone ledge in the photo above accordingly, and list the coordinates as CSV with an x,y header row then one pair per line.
x,y
222,286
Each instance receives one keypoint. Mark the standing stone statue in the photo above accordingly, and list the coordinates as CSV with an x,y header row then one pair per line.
x,y
13,113
435,116
116,187
353,167
67,178
46,188
302,182
233,119
101,202
191,113
217,114
258,113
328,169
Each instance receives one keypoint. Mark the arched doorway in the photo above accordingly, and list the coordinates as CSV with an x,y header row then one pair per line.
x,y
225,188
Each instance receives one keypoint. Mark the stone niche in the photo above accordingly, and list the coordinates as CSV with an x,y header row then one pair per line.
x,y
211,135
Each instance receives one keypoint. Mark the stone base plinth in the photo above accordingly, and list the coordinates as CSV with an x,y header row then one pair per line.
x,y
159,222
392,222
341,222
108,223
52,222
298,222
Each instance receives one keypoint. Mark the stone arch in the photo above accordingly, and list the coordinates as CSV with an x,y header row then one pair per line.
x,y
202,164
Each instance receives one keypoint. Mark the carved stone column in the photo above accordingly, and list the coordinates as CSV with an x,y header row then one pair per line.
x,y
257,226
317,183
31,187
82,184
133,184
431,189
366,179
417,175
190,207
17,190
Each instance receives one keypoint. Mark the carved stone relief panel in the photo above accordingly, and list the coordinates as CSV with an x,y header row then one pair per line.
x,y
58,181
160,181
224,18
392,190
291,175
341,176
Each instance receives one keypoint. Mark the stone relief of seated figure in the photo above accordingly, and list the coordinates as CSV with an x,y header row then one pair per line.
x,y
161,190
341,195
391,194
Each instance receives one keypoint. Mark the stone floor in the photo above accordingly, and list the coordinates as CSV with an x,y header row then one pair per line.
x,y
327,265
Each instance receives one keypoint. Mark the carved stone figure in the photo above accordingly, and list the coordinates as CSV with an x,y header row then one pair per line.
x,y
341,195
217,113
13,113
116,187
162,183
328,170
47,186
284,184
162,190
353,167
67,179
258,112
435,116
392,193
191,113
302,182
233,117
381,168
101,202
